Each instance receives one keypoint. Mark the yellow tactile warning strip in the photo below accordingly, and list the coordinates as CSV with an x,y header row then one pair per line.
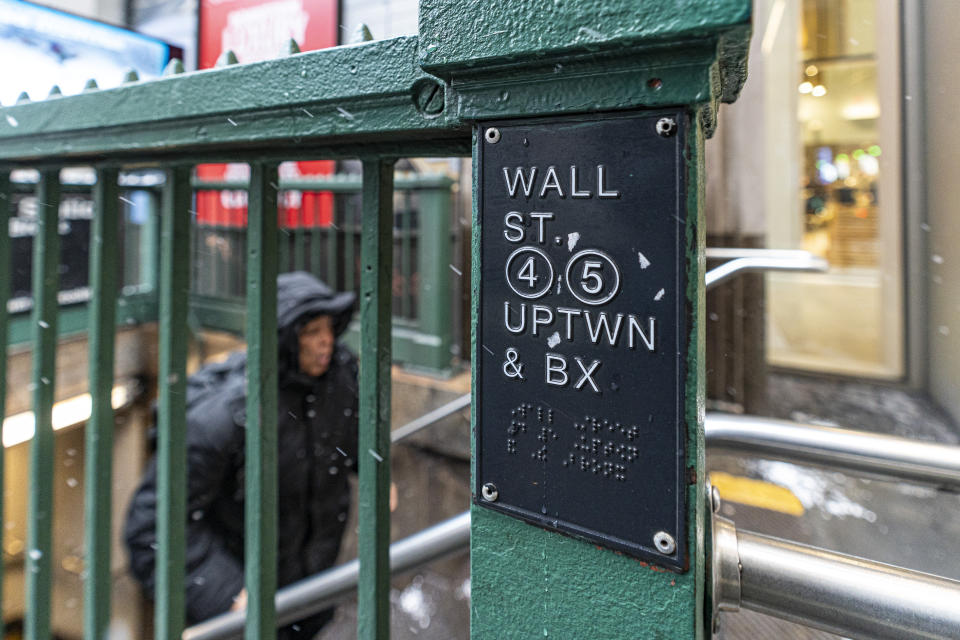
x,y
756,493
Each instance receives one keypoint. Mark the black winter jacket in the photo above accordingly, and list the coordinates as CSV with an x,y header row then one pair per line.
x,y
317,446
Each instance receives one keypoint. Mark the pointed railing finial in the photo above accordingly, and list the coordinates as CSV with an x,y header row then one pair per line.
x,y
290,48
362,34
174,67
23,98
131,76
55,92
91,85
226,58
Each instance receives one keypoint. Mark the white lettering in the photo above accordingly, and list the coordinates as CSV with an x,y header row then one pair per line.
x,y
603,324
557,365
541,219
514,222
551,182
574,192
648,338
569,313
587,374
523,318
547,317
526,182
602,191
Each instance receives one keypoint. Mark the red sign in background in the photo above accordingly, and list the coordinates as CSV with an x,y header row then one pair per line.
x,y
258,30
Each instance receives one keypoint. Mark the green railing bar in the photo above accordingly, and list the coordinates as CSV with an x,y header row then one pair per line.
x,y
260,510
435,266
169,615
283,244
337,183
298,237
373,605
349,243
406,255
332,236
46,264
98,464
6,264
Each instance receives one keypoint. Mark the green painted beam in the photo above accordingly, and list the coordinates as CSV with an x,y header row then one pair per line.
x,y
529,57
75,319
260,504
6,266
98,461
373,593
456,32
45,283
351,93
170,616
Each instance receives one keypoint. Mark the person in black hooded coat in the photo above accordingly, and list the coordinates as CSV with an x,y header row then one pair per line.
x,y
317,447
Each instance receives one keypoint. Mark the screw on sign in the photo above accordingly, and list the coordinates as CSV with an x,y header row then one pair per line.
x,y
581,329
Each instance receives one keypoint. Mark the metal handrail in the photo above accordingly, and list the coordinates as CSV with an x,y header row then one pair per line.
x,y
430,418
744,260
846,449
319,592
842,594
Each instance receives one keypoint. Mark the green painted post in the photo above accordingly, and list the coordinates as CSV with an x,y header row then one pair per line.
x,y
373,614
170,617
46,263
260,510
592,57
99,432
6,265
436,271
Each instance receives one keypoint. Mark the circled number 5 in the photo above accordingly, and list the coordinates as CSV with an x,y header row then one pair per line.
x,y
591,269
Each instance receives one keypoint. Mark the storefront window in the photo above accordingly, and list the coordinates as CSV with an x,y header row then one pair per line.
x,y
848,321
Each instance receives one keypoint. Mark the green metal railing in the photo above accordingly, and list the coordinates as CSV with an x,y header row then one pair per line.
x,y
418,96
422,294
174,126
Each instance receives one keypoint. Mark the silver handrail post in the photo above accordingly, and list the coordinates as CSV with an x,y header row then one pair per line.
x,y
842,594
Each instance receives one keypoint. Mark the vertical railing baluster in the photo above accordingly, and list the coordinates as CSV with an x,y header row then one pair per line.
x,y
6,272
434,272
406,258
298,237
260,567
373,615
283,246
46,263
104,257
332,234
171,415
349,244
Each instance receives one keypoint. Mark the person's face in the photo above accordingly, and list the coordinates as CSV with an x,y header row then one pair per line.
x,y
316,346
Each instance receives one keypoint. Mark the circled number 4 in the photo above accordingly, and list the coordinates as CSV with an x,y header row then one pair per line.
x,y
527,272
592,281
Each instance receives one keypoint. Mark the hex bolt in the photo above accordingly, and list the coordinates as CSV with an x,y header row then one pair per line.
x,y
666,127
665,543
489,491
492,135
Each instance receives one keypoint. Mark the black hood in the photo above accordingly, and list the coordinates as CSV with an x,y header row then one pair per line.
x,y
300,298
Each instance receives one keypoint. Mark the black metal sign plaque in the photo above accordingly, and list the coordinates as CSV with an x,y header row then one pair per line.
x,y
582,331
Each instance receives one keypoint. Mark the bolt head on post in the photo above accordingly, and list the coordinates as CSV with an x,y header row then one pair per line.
x,y
666,127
